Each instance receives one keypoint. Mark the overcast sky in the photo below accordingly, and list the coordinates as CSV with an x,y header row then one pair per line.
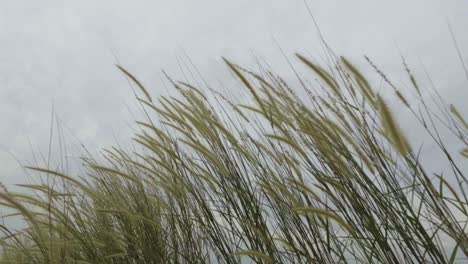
x,y
62,53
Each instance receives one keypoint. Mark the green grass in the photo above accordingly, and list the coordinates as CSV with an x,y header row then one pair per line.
x,y
319,173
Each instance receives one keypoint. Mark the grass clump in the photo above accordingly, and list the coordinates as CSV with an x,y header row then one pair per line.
x,y
320,175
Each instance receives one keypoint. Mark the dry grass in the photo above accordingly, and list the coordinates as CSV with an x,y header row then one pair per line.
x,y
324,178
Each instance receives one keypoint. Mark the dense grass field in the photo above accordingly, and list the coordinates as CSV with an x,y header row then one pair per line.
x,y
316,173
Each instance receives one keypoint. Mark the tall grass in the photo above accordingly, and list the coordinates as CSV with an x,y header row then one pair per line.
x,y
319,173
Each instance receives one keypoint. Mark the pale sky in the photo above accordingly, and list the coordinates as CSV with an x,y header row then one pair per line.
x,y
61,53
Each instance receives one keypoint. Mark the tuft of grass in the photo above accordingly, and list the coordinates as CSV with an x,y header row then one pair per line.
x,y
319,175
391,128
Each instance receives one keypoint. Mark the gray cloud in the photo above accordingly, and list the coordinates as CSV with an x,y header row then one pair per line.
x,y
61,53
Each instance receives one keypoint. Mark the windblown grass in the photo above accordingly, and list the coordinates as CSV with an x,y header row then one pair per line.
x,y
328,177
